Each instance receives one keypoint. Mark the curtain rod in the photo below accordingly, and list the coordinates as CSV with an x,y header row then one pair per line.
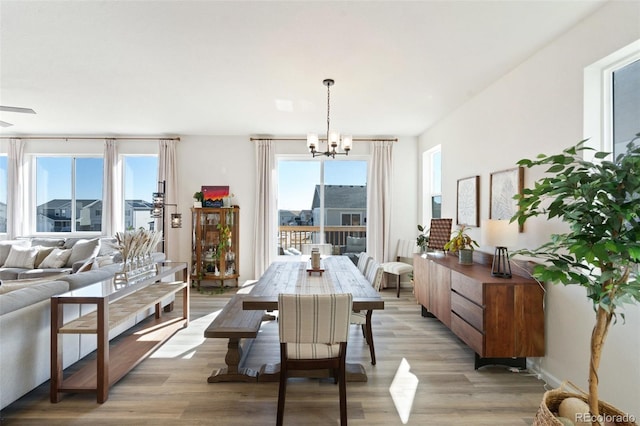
x,y
68,138
253,139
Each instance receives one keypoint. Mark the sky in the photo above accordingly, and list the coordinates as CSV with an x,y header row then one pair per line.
x,y
140,177
297,179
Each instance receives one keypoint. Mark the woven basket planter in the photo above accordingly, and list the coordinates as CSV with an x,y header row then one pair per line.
x,y
546,415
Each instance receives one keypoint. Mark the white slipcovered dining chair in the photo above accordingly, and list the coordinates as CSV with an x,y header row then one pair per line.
x,y
404,251
363,319
313,335
363,262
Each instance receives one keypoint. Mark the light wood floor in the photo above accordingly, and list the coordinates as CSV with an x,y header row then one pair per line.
x,y
171,386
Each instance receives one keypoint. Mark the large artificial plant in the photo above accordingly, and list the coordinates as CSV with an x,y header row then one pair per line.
x,y
600,202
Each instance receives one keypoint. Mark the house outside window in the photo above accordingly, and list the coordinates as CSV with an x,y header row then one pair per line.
x,y
68,190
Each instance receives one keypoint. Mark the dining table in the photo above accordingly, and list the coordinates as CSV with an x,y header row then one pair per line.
x,y
337,274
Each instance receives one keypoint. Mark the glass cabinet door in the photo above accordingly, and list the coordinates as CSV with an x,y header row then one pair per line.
x,y
215,244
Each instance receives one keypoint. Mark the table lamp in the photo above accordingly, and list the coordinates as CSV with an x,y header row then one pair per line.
x,y
501,234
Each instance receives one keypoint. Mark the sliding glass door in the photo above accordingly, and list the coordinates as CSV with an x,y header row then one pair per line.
x,y
320,201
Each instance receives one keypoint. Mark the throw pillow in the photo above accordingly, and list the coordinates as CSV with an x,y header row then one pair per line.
x,y
88,265
83,250
43,252
21,257
56,259
5,248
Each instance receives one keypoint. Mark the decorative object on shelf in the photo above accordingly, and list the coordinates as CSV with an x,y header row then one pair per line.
x,y
214,196
500,233
333,138
199,198
462,243
136,248
423,238
503,188
598,201
468,199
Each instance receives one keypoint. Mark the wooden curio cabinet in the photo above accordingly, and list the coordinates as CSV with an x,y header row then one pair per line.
x,y
215,244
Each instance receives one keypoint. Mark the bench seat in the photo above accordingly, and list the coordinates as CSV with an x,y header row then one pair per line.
x,y
240,327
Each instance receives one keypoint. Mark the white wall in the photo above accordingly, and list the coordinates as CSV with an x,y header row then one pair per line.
x,y
230,160
538,107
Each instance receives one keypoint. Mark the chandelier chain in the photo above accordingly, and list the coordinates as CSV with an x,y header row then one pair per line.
x,y
328,110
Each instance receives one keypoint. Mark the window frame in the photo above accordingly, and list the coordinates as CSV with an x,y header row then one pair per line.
x,y
33,199
429,190
598,98
321,161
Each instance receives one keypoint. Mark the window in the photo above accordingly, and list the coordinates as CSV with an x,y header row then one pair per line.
x,y
612,101
432,184
321,201
4,187
68,192
140,182
625,105
351,219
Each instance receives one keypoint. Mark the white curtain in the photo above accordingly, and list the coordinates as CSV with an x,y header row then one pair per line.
x,y
379,201
16,209
112,196
168,172
264,223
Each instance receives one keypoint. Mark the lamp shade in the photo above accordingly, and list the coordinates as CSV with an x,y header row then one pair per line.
x,y
499,233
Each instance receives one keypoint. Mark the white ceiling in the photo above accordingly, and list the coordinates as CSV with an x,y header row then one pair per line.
x,y
239,67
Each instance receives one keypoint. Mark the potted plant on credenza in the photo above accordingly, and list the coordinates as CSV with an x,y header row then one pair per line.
x,y
463,244
600,202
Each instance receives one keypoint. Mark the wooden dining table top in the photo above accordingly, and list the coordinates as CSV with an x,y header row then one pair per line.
x,y
339,275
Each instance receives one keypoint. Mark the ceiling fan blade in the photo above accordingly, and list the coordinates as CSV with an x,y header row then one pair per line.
x,y
17,109
5,124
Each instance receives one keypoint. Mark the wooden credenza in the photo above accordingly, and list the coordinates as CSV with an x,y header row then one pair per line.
x,y
502,320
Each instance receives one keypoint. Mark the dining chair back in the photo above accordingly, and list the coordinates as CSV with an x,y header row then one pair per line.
x,y
313,330
439,233
404,254
363,261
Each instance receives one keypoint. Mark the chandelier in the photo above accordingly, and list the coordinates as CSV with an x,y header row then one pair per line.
x,y
333,138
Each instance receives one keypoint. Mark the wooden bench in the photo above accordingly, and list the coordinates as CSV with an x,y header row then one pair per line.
x,y
240,327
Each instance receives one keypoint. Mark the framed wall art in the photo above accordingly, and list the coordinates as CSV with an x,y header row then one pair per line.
x,y
213,195
468,198
503,186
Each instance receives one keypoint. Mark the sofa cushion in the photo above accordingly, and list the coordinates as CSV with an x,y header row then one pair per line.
x,y
43,252
56,259
83,250
47,242
10,273
30,294
50,273
5,248
21,257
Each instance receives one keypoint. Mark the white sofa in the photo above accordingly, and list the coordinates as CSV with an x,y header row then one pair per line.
x,y
25,331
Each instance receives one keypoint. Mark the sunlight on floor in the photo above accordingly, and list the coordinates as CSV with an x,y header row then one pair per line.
x,y
403,390
184,343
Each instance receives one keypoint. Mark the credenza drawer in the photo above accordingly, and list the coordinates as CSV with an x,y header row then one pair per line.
x,y
467,310
467,333
468,287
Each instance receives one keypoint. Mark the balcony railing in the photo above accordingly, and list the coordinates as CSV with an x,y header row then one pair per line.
x,y
296,236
